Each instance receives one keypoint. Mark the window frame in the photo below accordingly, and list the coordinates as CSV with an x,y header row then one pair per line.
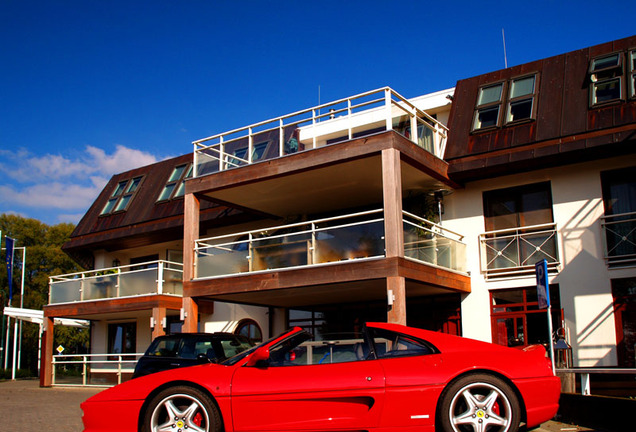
x,y
122,192
178,185
126,327
531,96
479,108
503,105
604,76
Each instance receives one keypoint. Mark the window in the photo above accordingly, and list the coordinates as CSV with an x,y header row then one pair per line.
x,y
240,155
249,329
518,206
619,224
520,230
521,99
122,339
518,95
624,293
175,186
122,196
488,106
517,319
606,79
388,344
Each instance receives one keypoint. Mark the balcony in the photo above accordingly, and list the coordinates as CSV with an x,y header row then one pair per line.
x,y
345,119
514,251
357,236
155,277
619,238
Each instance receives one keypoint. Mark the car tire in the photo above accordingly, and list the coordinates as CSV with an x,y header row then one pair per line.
x,y
181,409
479,403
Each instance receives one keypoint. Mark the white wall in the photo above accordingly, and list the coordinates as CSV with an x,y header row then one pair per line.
x,y
226,316
584,279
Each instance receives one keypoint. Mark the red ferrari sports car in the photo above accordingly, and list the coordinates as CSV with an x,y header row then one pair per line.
x,y
393,378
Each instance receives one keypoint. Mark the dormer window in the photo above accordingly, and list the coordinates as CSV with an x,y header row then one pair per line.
x,y
606,74
488,106
517,96
175,186
521,99
121,196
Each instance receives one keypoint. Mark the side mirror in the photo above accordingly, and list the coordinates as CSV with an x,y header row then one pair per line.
x,y
202,358
258,357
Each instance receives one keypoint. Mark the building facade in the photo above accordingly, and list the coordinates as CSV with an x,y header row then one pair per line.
x,y
430,212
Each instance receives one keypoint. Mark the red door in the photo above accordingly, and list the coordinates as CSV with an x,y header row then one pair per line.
x,y
311,397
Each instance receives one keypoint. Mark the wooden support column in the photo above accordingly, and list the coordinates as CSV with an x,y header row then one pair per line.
x,y
396,287
392,203
159,314
191,322
191,209
393,232
46,356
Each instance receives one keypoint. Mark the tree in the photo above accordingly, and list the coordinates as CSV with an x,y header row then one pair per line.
x,y
44,258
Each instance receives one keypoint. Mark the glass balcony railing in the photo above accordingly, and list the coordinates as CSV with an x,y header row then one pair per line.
x,y
354,236
345,119
515,251
430,243
619,236
155,277
343,238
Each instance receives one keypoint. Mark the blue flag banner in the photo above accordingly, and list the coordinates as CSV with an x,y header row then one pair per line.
x,y
9,243
543,289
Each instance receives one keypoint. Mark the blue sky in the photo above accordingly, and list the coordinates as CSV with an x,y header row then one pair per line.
x,y
91,88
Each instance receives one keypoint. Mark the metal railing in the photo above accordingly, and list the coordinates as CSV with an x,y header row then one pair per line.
x,y
342,238
154,277
619,239
91,370
347,237
433,244
585,373
514,251
353,117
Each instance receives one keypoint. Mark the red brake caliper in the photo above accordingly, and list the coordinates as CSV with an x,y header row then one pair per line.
x,y
198,419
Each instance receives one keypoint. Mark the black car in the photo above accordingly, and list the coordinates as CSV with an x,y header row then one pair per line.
x,y
189,349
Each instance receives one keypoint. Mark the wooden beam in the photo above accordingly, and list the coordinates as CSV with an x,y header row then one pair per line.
x,y
191,209
46,366
396,294
191,322
159,314
392,202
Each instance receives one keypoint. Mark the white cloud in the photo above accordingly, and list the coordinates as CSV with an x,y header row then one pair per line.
x,y
68,182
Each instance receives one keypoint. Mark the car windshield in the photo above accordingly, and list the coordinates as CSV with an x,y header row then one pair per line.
x,y
233,360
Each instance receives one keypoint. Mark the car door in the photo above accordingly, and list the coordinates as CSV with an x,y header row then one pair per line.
x,y
291,396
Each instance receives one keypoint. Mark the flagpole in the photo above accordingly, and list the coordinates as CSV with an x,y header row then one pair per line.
x,y
21,304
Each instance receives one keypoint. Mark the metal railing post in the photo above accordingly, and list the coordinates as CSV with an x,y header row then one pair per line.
x,y
585,384
388,108
281,138
119,360
160,278
84,370
250,146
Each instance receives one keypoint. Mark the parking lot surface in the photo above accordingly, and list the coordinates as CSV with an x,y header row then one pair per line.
x,y
26,407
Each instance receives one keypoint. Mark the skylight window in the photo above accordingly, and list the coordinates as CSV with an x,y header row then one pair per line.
x,y
121,196
175,186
